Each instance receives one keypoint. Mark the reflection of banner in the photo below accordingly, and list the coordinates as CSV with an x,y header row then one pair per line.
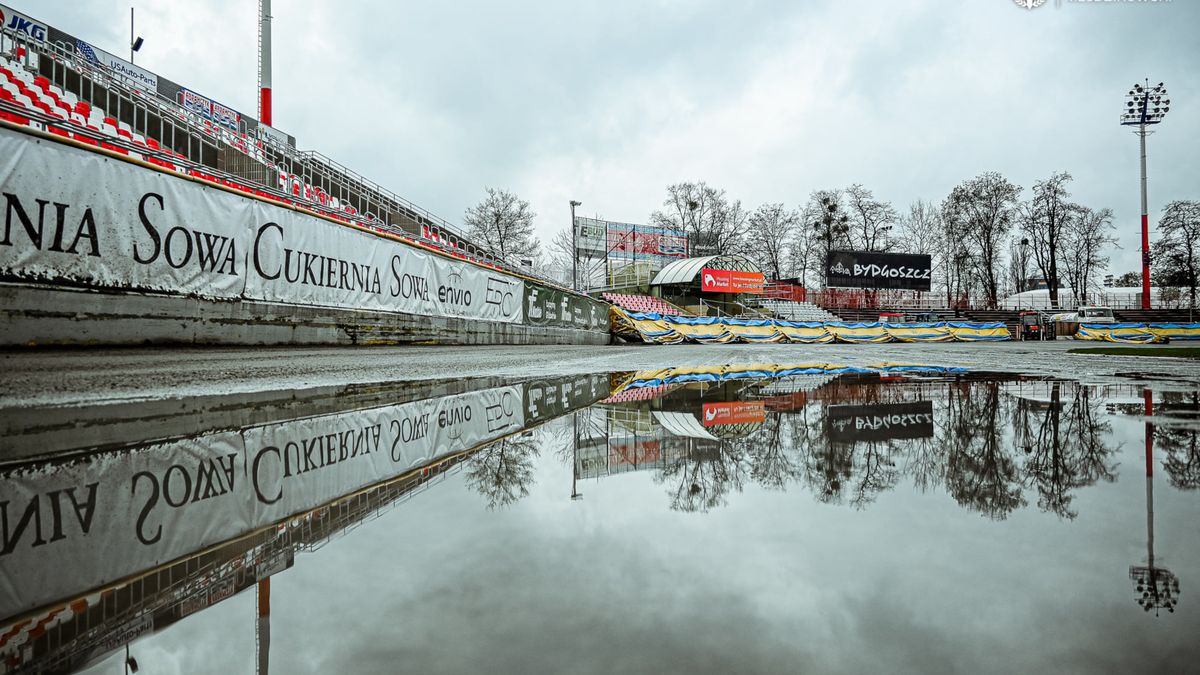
x,y
734,412
730,281
75,526
142,78
862,269
852,423
128,228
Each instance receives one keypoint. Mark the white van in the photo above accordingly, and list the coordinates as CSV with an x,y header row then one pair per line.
x,y
1095,315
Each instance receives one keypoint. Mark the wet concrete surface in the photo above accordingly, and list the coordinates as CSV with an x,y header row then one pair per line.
x,y
94,376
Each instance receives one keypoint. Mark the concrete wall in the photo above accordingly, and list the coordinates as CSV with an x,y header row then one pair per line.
x,y
34,315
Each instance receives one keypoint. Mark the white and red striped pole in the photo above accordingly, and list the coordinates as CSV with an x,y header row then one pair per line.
x,y
264,61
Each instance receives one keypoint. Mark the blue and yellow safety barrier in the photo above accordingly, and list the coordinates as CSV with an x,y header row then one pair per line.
x,y
670,329
684,374
1138,333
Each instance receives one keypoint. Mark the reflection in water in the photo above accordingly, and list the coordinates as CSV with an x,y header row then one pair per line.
x,y
103,547
987,439
1158,586
503,471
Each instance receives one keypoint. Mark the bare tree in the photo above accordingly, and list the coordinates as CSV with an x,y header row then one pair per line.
x,y
922,230
871,220
1044,221
981,210
1128,280
714,224
1177,253
560,266
502,223
771,228
1018,264
826,216
1087,235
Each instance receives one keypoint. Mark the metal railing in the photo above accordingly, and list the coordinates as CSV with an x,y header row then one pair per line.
x,y
183,131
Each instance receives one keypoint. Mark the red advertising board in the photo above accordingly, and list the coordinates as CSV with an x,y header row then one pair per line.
x,y
730,281
734,412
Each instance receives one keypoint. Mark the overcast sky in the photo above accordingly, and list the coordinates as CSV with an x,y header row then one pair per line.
x,y
610,101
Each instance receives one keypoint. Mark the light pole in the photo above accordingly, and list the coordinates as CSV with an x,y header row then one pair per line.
x,y
1145,106
135,43
574,249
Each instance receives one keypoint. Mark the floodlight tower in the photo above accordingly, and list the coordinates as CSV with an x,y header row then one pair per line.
x,y
1156,586
264,62
1145,106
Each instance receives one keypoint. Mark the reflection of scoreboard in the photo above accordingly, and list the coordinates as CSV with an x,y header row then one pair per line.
x,y
880,422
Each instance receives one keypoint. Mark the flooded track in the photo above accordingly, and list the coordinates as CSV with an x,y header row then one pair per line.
x,y
559,509
72,377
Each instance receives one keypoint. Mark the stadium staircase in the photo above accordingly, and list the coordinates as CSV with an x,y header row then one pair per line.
x,y
1156,315
792,310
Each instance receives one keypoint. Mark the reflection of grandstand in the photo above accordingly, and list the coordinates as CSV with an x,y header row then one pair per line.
x,y
52,82
83,630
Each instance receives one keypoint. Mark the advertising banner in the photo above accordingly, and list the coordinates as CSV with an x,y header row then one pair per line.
x,y
209,109
734,412
862,269
126,228
591,237
141,78
71,527
545,306
730,281
626,240
853,423
19,23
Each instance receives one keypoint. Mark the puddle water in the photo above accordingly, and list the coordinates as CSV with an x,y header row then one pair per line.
x,y
737,519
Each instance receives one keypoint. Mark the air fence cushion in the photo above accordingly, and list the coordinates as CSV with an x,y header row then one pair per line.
x,y
1126,333
681,375
1176,331
671,329
975,332
920,332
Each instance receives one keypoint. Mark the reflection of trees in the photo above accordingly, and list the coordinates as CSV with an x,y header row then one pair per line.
x,y
704,476
989,443
503,471
980,473
1067,448
772,461
874,470
1180,444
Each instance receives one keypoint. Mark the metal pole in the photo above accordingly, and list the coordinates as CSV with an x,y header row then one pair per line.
x,y
1145,221
264,62
131,35
574,250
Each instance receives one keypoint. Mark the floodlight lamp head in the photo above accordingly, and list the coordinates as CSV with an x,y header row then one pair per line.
x,y
137,44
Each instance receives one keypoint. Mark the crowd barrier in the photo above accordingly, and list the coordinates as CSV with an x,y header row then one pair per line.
x,y
1138,333
671,329
665,376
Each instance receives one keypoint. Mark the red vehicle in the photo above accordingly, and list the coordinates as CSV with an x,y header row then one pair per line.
x,y
1033,328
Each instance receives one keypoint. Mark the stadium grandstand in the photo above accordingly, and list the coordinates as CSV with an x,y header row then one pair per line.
x,y
53,82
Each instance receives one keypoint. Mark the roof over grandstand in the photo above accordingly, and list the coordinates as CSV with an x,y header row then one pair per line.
x,y
685,271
